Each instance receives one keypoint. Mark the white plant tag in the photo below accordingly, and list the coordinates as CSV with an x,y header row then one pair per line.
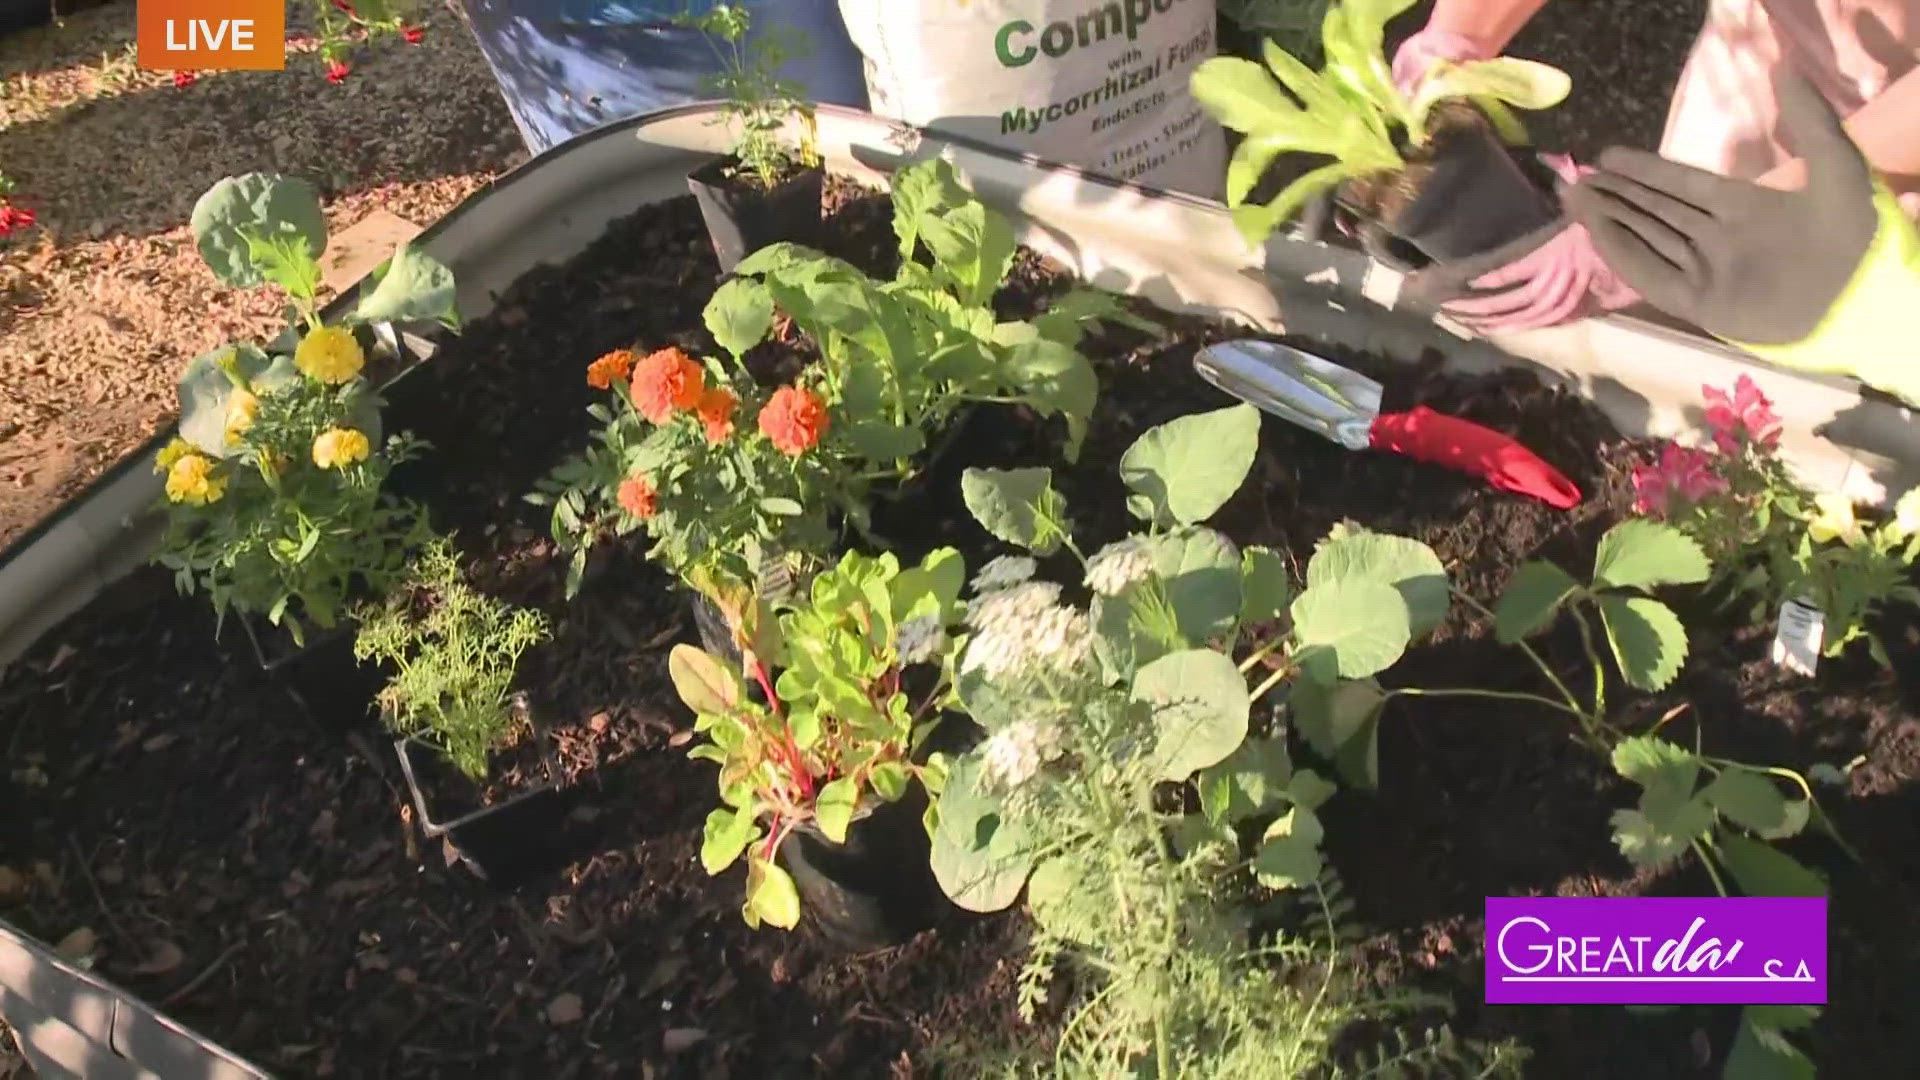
x,y
1796,644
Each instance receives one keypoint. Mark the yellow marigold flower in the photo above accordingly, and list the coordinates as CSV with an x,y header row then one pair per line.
x,y
1906,515
330,355
337,448
191,480
170,453
242,407
1834,520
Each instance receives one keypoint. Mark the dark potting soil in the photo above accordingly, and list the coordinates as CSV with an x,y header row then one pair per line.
x,y
261,877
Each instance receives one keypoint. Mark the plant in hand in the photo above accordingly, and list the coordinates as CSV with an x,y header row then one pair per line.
x,y
1767,536
273,486
1351,111
756,101
866,659
454,651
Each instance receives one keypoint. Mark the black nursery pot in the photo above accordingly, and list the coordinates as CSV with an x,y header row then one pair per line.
x,y
874,891
334,689
1474,197
743,217
503,843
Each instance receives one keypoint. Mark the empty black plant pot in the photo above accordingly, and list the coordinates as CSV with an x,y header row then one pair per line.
x,y
1470,197
505,842
874,891
743,216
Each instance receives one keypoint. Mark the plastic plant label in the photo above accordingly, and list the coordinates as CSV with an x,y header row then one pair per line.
x,y
1796,644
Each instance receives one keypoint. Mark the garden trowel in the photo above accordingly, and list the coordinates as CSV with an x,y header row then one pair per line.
x,y
1344,406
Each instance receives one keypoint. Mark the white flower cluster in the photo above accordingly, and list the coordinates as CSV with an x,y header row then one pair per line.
x,y
1120,564
1023,628
919,639
1014,754
1003,572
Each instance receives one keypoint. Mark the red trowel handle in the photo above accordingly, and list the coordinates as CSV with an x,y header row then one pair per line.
x,y
1428,436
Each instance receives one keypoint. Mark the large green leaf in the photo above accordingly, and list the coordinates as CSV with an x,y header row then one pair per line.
x,y
1761,1052
1252,780
833,807
410,286
1200,571
1648,641
1016,505
1264,589
205,388
1242,95
739,315
972,244
1363,623
1530,601
1055,379
1289,855
1185,469
726,835
1754,802
1642,554
1760,869
771,896
921,190
1666,772
706,685
1200,709
240,211
1408,565
1341,720
980,856
876,440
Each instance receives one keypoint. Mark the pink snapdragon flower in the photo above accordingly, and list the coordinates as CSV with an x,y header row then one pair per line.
x,y
1690,474
1746,417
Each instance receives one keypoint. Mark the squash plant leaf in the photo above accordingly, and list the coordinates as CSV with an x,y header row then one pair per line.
x,y
1184,470
1200,710
1016,505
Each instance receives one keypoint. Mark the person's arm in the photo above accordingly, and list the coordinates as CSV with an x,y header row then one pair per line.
x,y
1489,24
1887,131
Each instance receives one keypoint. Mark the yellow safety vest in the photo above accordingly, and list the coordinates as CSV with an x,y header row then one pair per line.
x,y
1872,332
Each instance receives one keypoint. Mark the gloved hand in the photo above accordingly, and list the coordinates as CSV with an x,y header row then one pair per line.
x,y
1747,263
1417,55
1548,277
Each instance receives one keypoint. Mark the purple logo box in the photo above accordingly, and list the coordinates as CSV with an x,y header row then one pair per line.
x,y
1656,951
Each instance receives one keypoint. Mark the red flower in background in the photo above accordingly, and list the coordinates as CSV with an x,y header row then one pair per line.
x,y
794,419
337,72
413,34
13,218
185,78
1746,415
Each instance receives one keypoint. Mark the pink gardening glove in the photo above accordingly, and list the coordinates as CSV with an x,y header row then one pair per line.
x,y
1561,280
1418,54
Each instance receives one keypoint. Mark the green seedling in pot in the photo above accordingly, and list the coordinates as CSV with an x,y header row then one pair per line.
x,y
866,666
1351,111
756,101
273,486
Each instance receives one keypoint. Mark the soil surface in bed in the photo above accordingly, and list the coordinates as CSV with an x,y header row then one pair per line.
x,y
252,864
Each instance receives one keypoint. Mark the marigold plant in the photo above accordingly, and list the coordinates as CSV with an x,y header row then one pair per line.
x,y
274,484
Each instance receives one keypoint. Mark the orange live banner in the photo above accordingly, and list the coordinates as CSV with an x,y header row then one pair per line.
x,y
213,35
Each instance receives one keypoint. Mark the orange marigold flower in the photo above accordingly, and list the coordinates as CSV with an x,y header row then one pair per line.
x,y
716,413
614,365
794,419
665,383
638,497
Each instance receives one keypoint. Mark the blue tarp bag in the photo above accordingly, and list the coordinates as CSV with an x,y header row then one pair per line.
x,y
567,66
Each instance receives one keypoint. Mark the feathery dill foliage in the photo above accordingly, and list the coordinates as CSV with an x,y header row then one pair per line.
x,y
1152,966
455,650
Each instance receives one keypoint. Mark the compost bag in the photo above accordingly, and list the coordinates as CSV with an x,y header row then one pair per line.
x,y
1101,85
